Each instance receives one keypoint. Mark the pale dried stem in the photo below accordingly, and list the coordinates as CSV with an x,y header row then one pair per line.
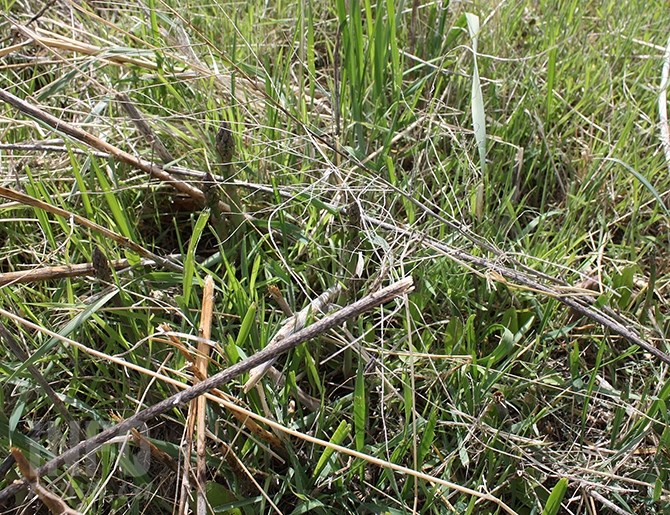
x,y
201,361
186,449
663,105
399,288
606,502
48,273
54,41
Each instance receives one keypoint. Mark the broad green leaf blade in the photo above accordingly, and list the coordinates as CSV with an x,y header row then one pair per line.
x,y
108,191
360,409
17,413
553,505
428,436
189,261
340,434
478,114
247,324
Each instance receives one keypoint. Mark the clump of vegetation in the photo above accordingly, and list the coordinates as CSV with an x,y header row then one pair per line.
x,y
179,181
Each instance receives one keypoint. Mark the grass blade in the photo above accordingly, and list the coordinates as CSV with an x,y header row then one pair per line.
x,y
338,437
477,98
553,505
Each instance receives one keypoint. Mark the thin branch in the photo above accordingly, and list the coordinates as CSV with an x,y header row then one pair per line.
x,y
47,273
85,222
118,154
511,277
401,287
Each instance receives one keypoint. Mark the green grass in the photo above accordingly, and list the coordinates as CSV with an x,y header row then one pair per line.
x,y
474,379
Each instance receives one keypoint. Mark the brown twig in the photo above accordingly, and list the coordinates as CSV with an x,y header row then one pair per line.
x,y
118,154
48,273
401,287
156,453
275,293
85,222
56,505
